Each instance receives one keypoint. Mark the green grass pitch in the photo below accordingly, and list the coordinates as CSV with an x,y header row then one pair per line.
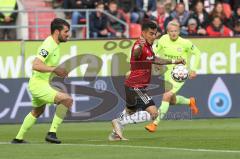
x,y
180,139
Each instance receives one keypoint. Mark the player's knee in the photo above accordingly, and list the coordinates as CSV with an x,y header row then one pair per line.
x,y
69,102
167,96
172,102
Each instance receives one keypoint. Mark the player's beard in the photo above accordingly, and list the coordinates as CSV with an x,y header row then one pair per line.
x,y
61,39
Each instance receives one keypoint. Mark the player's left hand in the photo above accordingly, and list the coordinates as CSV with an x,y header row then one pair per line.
x,y
192,74
180,61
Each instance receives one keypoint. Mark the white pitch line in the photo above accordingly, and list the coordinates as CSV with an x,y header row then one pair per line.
x,y
139,147
4,143
161,148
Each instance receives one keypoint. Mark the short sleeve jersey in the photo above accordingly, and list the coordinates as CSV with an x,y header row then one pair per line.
x,y
181,48
140,74
49,54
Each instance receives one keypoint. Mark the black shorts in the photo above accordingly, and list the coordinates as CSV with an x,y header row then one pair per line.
x,y
137,98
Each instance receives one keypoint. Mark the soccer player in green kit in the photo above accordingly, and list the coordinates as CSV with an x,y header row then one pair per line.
x,y
44,65
172,46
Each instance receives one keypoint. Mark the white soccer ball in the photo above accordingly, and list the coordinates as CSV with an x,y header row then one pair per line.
x,y
179,73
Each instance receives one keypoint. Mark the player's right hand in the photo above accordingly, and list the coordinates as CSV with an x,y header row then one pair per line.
x,y
180,61
61,72
142,41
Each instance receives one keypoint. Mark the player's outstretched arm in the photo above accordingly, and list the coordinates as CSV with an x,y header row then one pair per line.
x,y
161,61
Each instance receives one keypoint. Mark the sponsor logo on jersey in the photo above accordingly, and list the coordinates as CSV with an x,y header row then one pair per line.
x,y
179,49
150,58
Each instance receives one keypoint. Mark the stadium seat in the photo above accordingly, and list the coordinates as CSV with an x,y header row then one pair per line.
x,y
135,30
82,21
43,18
227,10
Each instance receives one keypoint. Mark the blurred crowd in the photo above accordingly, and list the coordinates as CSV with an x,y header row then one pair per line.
x,y
196,17
8,19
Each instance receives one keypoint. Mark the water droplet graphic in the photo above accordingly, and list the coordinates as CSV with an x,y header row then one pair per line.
x,y
219,99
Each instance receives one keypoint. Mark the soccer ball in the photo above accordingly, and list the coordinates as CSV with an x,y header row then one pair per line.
x,y
179,73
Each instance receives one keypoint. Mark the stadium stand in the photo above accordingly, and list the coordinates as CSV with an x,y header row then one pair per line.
x,y
36,18
35,15
135,30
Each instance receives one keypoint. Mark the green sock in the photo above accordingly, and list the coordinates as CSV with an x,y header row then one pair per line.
x,y
162,111
26,125
60,114
182,100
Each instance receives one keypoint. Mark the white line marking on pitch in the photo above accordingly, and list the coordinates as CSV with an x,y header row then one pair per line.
x,y
140,147
162,148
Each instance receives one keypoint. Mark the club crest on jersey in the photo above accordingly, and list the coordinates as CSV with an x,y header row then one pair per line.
x,y
179,49
43,53
150,58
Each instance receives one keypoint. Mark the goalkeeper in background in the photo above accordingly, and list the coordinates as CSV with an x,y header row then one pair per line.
x,y
171,46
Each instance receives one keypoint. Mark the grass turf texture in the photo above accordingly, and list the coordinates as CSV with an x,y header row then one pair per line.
x,y
208,139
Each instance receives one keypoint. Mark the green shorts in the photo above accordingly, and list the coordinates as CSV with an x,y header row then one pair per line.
x,y
170,84
42,93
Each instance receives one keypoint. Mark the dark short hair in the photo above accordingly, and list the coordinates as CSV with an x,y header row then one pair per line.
x,y
112,2
159,30
216,17
148,25
58,24
98,4
180,3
